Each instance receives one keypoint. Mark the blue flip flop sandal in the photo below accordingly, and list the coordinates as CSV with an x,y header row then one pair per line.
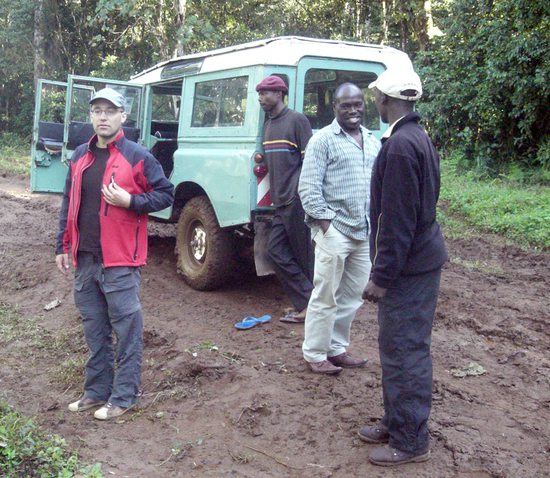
x,y
250,321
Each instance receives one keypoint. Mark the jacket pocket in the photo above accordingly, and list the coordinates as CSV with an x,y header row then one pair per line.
x,y
136,249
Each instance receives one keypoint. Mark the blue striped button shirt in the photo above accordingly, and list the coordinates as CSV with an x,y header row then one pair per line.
x,y
335,179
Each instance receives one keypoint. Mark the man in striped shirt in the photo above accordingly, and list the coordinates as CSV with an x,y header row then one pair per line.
x,y
285,136
334,188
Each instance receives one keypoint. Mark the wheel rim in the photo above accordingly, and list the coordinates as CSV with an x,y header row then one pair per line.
x,y
197,242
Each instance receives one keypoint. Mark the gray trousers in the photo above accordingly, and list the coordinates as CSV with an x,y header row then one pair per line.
x,y
291,251
108,301
405,318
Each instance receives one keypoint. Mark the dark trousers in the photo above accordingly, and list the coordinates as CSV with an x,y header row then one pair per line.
x,y
108,300
290,249
405,318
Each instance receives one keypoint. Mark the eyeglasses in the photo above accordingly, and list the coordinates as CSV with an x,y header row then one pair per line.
x,y
109,112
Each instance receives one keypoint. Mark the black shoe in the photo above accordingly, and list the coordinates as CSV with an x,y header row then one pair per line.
x,y
388,456
374,433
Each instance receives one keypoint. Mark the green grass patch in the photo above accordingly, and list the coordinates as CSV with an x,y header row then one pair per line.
x,y
70,372
15,154
69,347
28,451
477,265
455,227
514,211
13,326
25,449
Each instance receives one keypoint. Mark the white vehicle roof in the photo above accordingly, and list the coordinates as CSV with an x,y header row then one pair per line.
x,y
275,51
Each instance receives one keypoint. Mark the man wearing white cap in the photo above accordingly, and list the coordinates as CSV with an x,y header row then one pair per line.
x,y
111,185
407,251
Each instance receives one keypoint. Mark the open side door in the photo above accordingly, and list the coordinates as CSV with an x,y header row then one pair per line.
x,y
47,169
78,127
62,122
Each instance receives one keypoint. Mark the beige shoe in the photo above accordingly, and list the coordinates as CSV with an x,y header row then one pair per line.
x,y
85,403
110,411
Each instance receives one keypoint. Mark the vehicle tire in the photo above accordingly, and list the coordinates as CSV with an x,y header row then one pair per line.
x,y
205,251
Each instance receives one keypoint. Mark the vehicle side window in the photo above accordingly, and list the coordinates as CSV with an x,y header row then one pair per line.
x,y
51,117
80,109
220,103
319,88
165,107
52,103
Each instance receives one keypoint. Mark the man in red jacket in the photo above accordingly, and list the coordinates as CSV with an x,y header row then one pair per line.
x,y
111,186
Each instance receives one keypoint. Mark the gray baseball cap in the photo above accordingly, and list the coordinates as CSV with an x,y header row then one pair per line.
x,y
110,95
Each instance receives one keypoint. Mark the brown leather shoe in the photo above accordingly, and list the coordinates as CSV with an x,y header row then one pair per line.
x,y
324,367
388,456
347,361
374,434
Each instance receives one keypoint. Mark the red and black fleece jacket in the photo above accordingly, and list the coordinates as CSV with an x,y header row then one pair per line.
x,y
123,232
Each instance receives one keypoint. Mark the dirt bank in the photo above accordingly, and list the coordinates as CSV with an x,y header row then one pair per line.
x,y
220,402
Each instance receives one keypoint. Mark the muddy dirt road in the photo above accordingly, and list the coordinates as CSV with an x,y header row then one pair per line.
x,y
220,402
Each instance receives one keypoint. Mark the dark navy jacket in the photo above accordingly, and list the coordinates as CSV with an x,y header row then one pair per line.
x,y
405,236
123,234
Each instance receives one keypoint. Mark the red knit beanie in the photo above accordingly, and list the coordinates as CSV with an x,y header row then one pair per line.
x,y
272,83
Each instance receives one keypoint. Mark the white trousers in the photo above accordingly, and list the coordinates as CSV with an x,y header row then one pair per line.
x,y
342,269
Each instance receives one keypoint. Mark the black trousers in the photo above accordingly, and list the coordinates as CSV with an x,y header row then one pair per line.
x,y
405,318
291,250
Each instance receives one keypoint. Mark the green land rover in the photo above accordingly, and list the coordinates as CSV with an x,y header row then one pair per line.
x,y
199,115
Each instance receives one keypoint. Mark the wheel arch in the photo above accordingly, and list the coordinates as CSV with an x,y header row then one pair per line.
x,y
184,192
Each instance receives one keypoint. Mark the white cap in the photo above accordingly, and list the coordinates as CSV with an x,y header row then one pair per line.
x,y
393,82
110,95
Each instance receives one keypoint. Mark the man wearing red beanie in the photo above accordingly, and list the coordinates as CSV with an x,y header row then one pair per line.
x,y
285,136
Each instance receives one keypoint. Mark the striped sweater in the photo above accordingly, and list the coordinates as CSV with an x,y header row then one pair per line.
x,y
284,142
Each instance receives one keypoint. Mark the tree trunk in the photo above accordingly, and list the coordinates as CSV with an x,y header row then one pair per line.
x,y
384,37
403,40
181,6
423,23
39,41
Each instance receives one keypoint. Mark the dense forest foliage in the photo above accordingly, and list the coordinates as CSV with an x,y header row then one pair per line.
x,y
484,63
